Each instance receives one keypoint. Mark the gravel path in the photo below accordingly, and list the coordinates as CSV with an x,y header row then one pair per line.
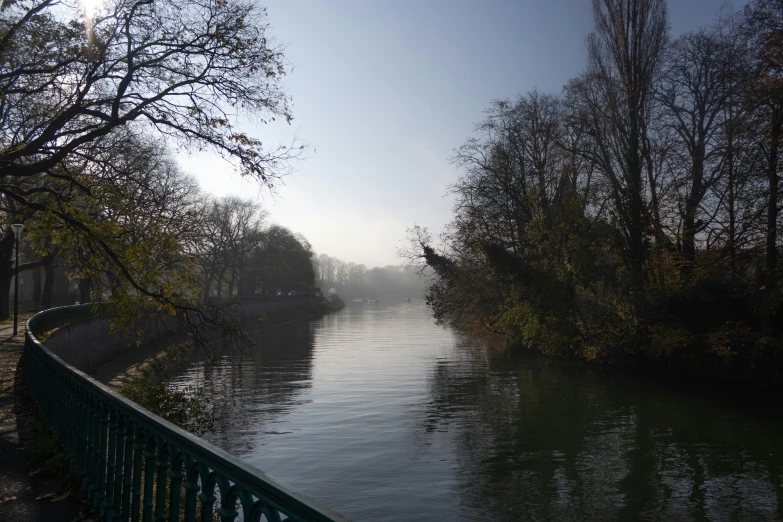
x,y
26,492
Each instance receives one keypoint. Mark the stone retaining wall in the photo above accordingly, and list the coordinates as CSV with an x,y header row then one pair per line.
x,y
90,343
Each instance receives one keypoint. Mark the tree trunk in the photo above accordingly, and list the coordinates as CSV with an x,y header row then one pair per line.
x,y
661,239
5,298
772,201
37,285
732,200
636,206
207,284
48,288
247,285
85,290
6,273
692,206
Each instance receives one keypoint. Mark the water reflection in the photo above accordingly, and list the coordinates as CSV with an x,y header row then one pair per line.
x,y
384,416
542,440
258,386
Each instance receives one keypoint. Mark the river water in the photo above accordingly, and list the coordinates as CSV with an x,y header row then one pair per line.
x,y
382,415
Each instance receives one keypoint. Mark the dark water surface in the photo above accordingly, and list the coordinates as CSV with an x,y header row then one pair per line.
x,y
382,415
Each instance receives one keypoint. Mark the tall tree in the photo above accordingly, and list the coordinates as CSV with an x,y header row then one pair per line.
x,y
230,229
283,262
765,26
698,81
625,51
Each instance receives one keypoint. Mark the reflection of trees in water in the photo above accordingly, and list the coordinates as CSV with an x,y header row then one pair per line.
x,y
543,440
252,390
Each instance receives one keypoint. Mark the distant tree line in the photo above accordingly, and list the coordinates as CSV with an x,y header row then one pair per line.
x,y
240,256
355,280
330,270
636,215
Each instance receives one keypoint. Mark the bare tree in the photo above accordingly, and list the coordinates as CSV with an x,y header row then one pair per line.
x,y
230,229
625,52
698,81
765,27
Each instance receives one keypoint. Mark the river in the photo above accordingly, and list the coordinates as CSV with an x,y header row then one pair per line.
x,y
382,415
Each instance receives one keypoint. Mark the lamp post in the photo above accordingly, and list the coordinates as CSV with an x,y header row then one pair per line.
x,y
17,228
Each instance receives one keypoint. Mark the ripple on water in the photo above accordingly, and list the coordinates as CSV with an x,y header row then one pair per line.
x,y
383,415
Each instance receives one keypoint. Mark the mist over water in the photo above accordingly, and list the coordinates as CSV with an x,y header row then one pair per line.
x,y
382,415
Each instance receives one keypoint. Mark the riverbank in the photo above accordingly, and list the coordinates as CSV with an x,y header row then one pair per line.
x,y
142,374
277,317
762,397
114,357
756,397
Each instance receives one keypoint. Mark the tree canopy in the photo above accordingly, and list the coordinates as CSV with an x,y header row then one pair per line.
x,y
635,216
88,97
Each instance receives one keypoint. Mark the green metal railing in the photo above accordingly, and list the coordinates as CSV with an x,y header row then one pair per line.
x,y
132,464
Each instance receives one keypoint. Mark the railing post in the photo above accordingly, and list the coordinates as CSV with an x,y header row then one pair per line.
x,y
94,452
54,408
101,458
191,491
149,477
163,466
137,463
127,473
84,435
175,472
118,471
71,448
111,466
207,504
227,513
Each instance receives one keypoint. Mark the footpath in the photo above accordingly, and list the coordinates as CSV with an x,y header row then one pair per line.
x,y
33,485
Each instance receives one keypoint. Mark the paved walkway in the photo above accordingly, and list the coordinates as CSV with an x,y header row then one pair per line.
x,y
27,493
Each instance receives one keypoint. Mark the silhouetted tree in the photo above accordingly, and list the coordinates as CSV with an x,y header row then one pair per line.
x,y
71,79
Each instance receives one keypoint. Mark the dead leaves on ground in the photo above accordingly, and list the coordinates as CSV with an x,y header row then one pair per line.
x,y
53,497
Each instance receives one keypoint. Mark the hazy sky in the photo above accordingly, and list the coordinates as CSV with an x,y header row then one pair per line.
x,y
384,91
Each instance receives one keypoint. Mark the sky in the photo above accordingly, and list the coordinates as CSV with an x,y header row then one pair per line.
x,y
384,91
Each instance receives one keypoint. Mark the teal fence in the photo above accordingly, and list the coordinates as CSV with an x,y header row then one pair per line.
x,y
135,466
